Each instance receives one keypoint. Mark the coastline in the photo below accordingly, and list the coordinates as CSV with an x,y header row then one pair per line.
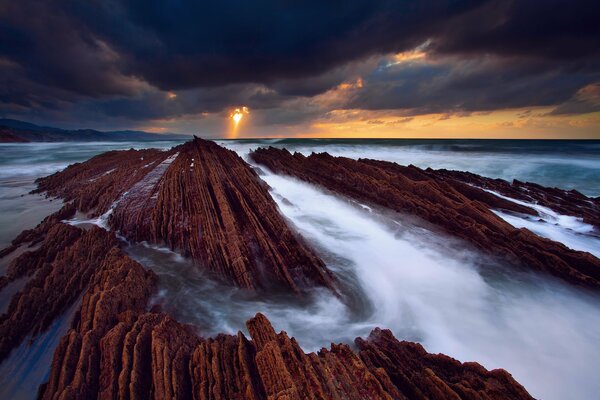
x,y
283,204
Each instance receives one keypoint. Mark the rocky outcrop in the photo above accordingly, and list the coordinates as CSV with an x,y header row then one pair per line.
x,y
59,271
212,206
207,201
31,237
420,375
454,206
95,185
153,356
115,349
199,199
565,202
108,322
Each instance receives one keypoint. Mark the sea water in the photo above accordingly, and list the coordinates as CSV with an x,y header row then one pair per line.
x,y
395,274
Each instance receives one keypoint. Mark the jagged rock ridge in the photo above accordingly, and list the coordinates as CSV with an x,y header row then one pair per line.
x,y
454,206
212,206
116,348
565,202
199,199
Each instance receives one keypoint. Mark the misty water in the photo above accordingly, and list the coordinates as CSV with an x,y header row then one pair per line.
x,y
395,272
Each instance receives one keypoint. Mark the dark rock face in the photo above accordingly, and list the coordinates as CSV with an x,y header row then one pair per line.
x,y
60,271
31,237
202,200
96,184
109,323
212,206
420,375
117,348
566,202
438,198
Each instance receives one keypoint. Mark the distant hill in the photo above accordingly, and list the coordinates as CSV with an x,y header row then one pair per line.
x,y
12,130
6,136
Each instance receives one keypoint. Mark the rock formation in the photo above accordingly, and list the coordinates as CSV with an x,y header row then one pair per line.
x,y
117,350
201,200
454,206
565,202
59,271
208,202
95,185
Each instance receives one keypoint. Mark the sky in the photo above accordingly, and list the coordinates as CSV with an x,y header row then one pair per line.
x,y
288,68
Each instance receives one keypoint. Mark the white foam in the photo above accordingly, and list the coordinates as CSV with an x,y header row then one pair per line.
x,y
100,221
426,288
568,230
423,287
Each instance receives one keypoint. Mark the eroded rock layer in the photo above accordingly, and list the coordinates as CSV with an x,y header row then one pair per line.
x,y
117,348
209,204
565,202
116,351
96,184
456,207
199,199
58,272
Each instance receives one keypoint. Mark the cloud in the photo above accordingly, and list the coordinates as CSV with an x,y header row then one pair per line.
x,y
453,84
68,60
586,100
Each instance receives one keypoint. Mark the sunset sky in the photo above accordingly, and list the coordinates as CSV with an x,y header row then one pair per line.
x,y
433,68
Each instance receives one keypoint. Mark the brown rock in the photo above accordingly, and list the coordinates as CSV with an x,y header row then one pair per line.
x,y
202,200
452,205
33,236
61,269
566,202
209,204
96,184
117,349
420,375
155,357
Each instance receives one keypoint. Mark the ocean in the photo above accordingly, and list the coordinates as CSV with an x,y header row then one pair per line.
x,y
422,285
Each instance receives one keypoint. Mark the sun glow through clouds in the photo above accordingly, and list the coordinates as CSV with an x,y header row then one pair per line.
x,y
236,116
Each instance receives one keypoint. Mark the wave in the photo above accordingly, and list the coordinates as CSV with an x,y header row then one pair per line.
x,y
423,286
566,229
28,366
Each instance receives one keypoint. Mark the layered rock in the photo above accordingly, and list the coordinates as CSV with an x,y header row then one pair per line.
x,y
456,207
156,357
96,184
565,202
152,356
109,323
199,199
31,237
59,271
117,348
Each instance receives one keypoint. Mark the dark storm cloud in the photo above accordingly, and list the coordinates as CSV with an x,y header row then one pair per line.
x,y
586,100
180,44
155,104
484,84
118,58
549,29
